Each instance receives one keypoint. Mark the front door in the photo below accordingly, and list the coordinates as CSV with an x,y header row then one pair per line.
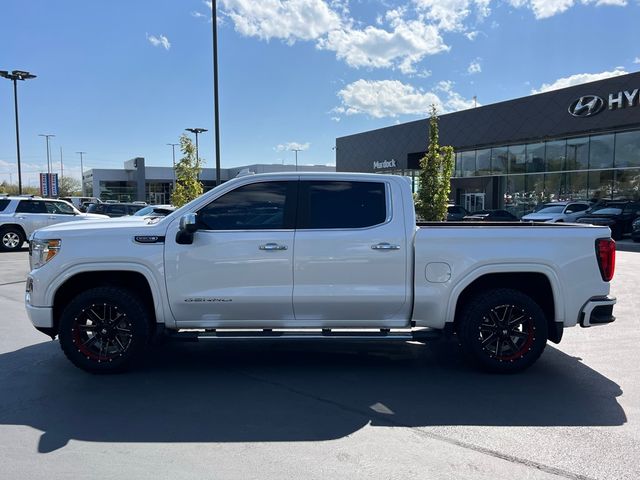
x,y
238,271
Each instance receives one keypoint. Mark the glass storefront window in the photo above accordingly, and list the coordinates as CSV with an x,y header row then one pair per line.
x,y
458,168
468,161
499,160
601,185
627,184
483,161
577,186
555,154
534,191
554,187
514,197
517,159
627,149
535,157
601,151
577,153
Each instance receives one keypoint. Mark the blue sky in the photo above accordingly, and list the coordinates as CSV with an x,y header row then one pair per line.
x,y
120,79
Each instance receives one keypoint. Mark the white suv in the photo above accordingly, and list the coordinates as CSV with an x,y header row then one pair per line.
x,y
21,216
558,212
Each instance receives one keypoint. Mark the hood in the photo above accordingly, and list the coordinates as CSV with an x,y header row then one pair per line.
x,y
541,217
92,216
99,226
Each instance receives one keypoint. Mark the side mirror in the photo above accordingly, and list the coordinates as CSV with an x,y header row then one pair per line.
x,y
188,226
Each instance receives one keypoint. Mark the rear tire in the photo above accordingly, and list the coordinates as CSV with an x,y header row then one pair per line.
x,y
104,330
503,330
11,239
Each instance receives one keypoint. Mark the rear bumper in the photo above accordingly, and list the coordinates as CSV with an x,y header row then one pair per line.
x,y
597,311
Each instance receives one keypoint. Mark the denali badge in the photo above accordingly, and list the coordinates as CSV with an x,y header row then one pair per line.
x,y
586,106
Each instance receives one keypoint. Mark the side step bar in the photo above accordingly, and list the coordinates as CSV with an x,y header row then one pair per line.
x,y
419,335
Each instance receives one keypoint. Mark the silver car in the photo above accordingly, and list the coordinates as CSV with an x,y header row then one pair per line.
x,y
558,212
21,216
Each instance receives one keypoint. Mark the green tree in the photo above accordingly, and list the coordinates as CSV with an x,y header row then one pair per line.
x,y
435,176
188,170
69,187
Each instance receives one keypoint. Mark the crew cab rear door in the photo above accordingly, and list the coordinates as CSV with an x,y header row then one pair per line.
x,y
350,255
238,272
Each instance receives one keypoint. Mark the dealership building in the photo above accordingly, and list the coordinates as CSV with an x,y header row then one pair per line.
x,y
581,142
137,182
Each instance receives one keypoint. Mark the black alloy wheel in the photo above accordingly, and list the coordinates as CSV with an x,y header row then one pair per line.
x,y
503,330
104,329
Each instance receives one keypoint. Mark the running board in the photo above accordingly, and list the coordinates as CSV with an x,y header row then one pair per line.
x,y
419,335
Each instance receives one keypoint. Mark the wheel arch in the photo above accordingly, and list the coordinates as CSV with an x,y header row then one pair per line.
x,y
134,281
538,284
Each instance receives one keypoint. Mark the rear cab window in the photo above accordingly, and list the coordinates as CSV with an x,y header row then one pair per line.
x,y
326,204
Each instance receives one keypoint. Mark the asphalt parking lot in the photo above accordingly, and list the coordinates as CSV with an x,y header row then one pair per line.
x,y
256,410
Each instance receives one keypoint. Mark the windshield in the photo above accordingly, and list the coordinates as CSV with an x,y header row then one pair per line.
x,y
607,211
553,209
144,211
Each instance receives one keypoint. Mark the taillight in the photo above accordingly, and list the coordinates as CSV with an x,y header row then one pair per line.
x,y
606,254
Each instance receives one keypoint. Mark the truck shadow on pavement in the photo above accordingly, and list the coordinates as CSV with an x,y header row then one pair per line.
x,y
266,392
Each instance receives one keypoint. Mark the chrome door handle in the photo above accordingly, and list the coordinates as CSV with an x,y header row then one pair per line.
x,y
385,246
272,246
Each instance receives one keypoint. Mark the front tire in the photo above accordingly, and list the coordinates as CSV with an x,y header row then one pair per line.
x,y
11,239
503,330
104,329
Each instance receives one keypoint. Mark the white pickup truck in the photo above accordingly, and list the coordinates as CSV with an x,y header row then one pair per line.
x,y
315,256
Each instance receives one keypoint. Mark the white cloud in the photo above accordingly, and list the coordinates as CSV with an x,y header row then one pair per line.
x,y
391,98
577,79
160,40
548,8
636,60
449,15
289,20
406,44
474,67
292,146
472,35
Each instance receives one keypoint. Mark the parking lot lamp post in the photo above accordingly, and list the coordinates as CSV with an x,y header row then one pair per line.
x,y
173,150
197,131
15,76
81,172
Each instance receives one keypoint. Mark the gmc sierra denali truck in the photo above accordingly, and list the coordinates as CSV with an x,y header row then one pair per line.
x,y
297,256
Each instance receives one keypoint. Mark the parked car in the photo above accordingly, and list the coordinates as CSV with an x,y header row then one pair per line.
x,y
491,216
21,216
79,201
456,213
155,211
635,230
558,212
299,256
115,209
617,215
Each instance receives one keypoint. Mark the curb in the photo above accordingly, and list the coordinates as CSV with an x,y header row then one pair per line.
x,y
627,246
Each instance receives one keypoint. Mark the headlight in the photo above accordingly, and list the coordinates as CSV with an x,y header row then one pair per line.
x,y
41,251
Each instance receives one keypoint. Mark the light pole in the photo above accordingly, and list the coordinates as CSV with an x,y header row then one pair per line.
x,y
197,131
296,150
48,160
81,172
15,76
173,150
214,31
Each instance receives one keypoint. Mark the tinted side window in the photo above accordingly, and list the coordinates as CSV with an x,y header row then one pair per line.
x,y
118,210
31,206
336,204
578,207
3,204
59,207
257,206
